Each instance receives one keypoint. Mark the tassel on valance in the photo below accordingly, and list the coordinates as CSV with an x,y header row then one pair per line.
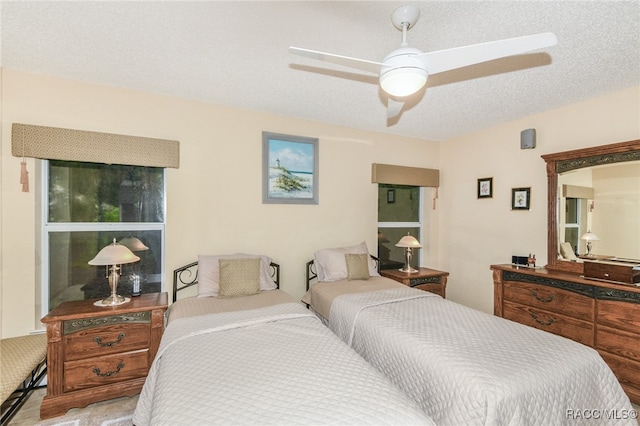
x,y
24,176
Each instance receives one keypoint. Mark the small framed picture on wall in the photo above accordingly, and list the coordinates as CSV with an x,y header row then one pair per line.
x,y
520,198
485,187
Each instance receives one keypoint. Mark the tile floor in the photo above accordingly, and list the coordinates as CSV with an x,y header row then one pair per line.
x,y
29,413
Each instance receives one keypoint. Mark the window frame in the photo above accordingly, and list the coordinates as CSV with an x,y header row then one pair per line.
x,y
420,224
47,227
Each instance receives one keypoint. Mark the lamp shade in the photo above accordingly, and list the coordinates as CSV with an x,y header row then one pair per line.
x,y
401,82
114,254
133,244
408,241
382,238
589,236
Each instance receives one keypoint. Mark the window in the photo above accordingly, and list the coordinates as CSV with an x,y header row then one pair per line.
x,y
86,206
399,213
576,223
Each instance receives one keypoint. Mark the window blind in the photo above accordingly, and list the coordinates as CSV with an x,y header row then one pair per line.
x,y
53,143
572,191
402,175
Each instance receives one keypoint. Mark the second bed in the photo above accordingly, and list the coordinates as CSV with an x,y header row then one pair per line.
x,y
462,366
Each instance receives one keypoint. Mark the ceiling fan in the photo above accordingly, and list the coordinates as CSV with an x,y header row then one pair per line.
x,y
404,71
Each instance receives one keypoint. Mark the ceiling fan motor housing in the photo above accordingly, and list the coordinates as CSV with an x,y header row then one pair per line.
x,y
403,73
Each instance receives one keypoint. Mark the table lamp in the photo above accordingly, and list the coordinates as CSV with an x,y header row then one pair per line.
x,y
111,256
408,243
589,237
135,245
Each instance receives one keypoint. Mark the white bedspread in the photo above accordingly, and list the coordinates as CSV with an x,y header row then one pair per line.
x,y
467,367
275,365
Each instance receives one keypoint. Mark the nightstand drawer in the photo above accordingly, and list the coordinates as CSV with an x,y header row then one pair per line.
x,y
432,288
106,340
425,279
88,373
413,282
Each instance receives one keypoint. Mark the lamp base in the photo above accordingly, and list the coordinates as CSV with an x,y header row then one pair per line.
x,y
113,300
408,269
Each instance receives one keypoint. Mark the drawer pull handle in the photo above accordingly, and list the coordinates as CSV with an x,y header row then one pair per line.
x,y
535,318
98,340
108,373
543,299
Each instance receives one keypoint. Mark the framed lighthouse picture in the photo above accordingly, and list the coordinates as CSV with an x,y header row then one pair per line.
x,y
289,169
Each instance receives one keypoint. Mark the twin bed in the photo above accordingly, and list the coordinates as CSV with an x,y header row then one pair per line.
x,y
460,365
257,356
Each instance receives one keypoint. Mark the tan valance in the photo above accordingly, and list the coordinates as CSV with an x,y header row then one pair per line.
x,y
402,175
54,143
573,191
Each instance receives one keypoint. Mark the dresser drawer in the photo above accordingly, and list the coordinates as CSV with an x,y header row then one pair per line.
x,y
618,342
106,340
103,370
580,331
550,299
617,314
626,371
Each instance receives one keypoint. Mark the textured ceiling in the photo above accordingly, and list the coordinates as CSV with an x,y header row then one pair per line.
x,y
235,53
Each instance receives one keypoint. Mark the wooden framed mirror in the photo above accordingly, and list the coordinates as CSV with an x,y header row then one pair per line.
x,y
584,161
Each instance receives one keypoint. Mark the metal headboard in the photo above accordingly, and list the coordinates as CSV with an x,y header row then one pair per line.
x,y
187,276
312,274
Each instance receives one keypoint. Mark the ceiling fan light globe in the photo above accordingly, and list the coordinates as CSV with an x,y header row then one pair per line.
x,y
402,82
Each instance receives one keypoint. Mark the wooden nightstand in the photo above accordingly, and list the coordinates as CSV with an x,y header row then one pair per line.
x,y
98,353
426,279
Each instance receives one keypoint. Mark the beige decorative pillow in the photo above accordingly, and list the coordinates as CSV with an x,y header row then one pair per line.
x,y
209,273
357,266
331,266
239,277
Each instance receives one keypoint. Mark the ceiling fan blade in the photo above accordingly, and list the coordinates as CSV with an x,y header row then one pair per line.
x,y
346,61
394,108
458,57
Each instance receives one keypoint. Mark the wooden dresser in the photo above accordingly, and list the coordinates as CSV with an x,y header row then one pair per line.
x,y
97,353
602,315
426,279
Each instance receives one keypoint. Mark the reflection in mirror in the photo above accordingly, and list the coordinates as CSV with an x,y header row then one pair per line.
x,y
577,204
594,189
604,200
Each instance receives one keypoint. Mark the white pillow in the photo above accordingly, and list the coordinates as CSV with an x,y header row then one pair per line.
x,y
332,266
209,273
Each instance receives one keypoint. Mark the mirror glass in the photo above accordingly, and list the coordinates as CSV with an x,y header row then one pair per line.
x,y
594,189
605,201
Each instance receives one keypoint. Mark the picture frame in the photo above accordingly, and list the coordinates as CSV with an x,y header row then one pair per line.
x,y
485,187
289,169
391,196
520,198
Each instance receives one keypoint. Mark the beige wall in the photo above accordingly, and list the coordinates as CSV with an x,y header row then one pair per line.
x,y
617,195
214,198
476,233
